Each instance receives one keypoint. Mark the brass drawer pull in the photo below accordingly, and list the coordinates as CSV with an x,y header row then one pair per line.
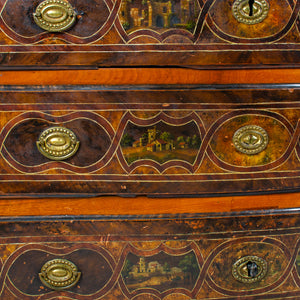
x,y
57,143
54,15
250,11
250,139
249,269
59,274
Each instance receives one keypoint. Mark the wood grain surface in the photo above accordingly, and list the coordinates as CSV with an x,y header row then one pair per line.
x,y
143,205
213,246
130,76
205,117
208,34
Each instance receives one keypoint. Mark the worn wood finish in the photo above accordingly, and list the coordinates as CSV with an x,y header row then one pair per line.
x,y
143,205
154,141
200,252
150,140
114,33
136,247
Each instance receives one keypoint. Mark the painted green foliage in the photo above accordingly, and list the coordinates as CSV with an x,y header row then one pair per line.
x,y
161,142
160,271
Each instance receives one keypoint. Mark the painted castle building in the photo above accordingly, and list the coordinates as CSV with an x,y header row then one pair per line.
x,y
153,143
158,13
144,269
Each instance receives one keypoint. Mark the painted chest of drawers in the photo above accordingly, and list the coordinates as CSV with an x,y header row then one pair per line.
x,y
176,140
210,33
168,138
223,256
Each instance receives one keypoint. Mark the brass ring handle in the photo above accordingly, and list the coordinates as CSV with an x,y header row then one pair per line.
x,y
59,274
57,143
54,15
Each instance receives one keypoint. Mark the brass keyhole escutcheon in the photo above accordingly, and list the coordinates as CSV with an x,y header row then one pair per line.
x,y
54,15
250,11
249,269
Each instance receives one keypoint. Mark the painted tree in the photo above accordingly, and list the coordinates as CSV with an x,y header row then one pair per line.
x,y
180,139
189,141
166,267
127,269
196,141
189,266
166,136
127,140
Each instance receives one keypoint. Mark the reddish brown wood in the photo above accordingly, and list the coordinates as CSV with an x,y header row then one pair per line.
x,y
205,117
143,205
217,242
207,35
130,76
211,244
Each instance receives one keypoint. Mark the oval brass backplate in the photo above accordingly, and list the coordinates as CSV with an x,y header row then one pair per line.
x,y
59,274
250,139
54,15
249,269
57,143
250,12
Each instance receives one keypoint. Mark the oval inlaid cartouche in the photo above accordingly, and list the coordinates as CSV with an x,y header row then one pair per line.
x,y
59,274
54,15
242,272
242,12
58,143
250,139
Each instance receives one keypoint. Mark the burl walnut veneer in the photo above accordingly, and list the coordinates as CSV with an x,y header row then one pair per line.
x,y
149,140
126,172
199,33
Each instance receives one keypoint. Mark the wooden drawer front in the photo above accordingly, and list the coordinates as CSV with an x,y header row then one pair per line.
x,y
120,32
191,257
149,141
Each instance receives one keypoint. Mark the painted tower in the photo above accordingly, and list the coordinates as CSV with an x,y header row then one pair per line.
x,y
142,265
152,134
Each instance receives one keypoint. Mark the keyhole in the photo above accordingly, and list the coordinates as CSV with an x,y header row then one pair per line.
x,y
252,269
251,2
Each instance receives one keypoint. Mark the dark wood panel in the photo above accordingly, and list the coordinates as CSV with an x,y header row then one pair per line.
x,y
151,140
179,256
122,33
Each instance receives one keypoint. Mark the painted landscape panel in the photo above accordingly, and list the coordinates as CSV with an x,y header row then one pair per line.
x,y
161,142
159,14
161,271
